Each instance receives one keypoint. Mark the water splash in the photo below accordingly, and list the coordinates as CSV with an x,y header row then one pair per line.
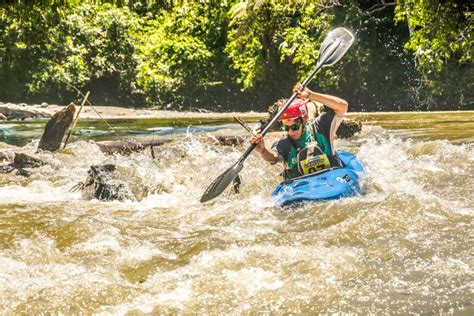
x,y
403,245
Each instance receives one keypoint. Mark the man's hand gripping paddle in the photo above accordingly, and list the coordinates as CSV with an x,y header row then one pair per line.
x,y
334,46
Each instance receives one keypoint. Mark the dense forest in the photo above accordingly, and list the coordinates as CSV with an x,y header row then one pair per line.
x,y
236,55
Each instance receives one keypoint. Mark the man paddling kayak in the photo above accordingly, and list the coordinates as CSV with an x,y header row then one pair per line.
x,y
308,146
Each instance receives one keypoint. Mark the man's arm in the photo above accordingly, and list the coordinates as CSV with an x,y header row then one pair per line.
x,y
266,153
339,105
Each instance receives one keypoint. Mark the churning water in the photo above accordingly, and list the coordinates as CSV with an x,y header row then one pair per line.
x,y
403,246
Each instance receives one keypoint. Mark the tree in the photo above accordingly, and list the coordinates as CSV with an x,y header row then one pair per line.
x,y
441,39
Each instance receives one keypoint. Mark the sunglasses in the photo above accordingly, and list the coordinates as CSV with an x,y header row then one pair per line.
x,y
293,127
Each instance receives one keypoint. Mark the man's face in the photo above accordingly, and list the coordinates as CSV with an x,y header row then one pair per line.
x,y
292,124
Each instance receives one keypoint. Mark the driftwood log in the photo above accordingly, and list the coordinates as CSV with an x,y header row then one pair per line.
x,y
127,147
56,128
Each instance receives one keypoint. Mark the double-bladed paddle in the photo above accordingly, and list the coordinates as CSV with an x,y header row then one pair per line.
x,y
334,46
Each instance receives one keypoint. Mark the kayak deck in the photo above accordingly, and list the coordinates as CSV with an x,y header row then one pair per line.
x,y
330,184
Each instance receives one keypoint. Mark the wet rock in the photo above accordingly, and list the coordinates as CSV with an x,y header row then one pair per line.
x,y
14,112
56,128
110,182
348,128
44,105
227,140
3,117
104,187
20,162
25,161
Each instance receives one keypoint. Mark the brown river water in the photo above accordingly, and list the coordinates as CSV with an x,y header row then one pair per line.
x,y
404,246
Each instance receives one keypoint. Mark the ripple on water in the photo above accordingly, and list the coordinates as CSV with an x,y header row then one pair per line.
x,y
404,245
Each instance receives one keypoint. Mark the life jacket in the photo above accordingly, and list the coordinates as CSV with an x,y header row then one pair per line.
x,y
306,155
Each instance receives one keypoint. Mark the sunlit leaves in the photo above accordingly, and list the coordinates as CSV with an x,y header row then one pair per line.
x,y
170,62
173,52
441,39
439,31
258,28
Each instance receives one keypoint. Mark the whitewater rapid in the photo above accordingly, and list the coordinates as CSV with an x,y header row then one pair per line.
x,y
403,246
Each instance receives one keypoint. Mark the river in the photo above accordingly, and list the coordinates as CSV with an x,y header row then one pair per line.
x,y
404,246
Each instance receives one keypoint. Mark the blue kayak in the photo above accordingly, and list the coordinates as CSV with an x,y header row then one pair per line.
x,y
329,184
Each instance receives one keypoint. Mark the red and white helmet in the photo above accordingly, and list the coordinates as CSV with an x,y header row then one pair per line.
x,y
298,108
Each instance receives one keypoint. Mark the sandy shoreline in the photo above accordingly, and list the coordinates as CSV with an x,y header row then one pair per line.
x,y
12,111
44,110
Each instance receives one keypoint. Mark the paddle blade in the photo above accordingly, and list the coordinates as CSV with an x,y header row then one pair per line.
x,y
222,182
334,46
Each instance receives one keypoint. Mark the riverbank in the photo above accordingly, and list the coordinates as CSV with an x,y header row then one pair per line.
x,y
12,111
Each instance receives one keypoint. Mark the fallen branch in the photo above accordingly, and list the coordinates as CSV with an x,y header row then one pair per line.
x,y
76,119
244,125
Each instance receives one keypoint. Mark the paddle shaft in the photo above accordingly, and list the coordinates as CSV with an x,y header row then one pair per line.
x,y
319,65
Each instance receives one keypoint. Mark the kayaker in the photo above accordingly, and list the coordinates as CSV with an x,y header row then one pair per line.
x,y
308,145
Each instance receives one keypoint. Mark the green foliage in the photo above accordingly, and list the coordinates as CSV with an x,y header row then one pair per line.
x,y
91,43
439,30
257,30
181,52
170,63
301,43
441,39
234,54
86,45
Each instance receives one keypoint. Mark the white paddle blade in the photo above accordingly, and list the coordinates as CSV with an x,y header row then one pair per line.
x,y
334,46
